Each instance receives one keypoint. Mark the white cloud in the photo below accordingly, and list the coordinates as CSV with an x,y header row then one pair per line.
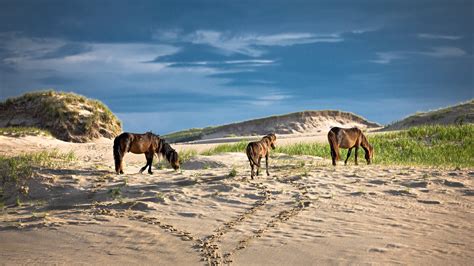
x,y
254,61
111,67
445,52
387,57
26,54
269,98
247,44
437,52
438,36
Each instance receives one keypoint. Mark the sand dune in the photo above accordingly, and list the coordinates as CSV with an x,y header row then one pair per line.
x,y
306,212
306,122
462,113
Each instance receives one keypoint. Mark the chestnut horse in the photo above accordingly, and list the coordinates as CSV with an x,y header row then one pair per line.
x,y
348,138
258,149
147,143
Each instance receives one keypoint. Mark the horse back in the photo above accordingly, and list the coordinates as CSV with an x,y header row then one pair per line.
x,y
347,137
136,143
259,148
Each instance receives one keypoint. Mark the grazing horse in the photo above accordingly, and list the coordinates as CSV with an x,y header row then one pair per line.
x,y
348,138
147,143
257,149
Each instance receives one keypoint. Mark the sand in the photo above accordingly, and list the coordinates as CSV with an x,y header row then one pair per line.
x,y
306,212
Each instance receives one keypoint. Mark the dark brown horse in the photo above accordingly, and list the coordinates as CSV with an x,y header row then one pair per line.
x,y
147,143
348,138
257,149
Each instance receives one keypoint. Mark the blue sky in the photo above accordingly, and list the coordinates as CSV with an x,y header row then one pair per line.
x,y
171,65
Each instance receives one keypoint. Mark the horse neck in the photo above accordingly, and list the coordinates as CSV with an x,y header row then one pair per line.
x,y
266,140
364,142
166,150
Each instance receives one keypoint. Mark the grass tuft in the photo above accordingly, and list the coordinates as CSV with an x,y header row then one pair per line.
x,y
233,172
186,155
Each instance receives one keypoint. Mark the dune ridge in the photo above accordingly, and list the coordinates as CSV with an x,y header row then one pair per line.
x,y
305,122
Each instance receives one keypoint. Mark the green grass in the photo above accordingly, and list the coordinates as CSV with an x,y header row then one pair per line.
x,y
21,166
23,131
186,155
236,147
438,146
16,170
233,172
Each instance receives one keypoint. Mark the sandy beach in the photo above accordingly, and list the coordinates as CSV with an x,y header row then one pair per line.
x,y
306,213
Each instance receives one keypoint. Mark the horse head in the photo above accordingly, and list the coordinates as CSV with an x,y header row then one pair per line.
x,y
169,153
272,138
369,155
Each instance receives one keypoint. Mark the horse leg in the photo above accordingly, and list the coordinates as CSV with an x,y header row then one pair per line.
x,y
356,150
258,166
251,170
266,164
149,160
144,167
125,150
333,156
348,154
120,166
118,162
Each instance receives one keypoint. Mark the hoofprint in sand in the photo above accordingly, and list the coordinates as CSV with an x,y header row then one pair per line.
x,y
306,212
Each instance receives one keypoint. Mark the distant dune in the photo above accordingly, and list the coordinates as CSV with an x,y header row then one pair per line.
x,y
68,116
293,123
458,114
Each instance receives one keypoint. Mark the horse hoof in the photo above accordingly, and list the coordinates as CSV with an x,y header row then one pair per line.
x,y
150,173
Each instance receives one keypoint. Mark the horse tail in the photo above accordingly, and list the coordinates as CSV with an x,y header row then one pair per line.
x,y
334,145
117,153
249,152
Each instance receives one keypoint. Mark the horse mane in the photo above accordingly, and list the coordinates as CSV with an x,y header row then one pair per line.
x,y
364,142
165,149
269,137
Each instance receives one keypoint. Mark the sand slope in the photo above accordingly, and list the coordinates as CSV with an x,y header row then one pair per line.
x,y
307,212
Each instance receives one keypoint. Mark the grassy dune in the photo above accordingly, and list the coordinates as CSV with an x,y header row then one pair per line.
x,y
66,116
442,146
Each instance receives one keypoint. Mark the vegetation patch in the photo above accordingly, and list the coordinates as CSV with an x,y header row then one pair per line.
x,y
435,145
16,171
235,147
186,155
